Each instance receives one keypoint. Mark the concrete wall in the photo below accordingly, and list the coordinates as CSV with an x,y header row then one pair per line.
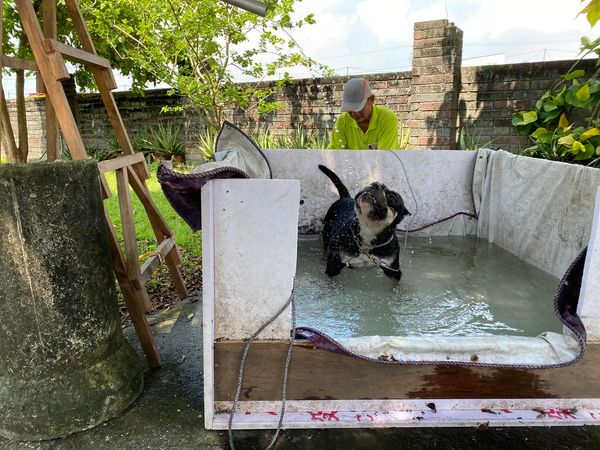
x,y
435,99
433,187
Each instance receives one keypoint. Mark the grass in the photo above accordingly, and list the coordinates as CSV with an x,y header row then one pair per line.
x,y
191,242
160,287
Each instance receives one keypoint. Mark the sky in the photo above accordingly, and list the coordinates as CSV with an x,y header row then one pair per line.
x,y
375,36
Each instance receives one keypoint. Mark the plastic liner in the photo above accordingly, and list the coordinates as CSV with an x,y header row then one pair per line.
x,y
237,156
540,211
548,350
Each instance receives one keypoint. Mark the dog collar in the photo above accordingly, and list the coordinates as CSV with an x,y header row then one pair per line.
x,y
360,243
375,260
386,242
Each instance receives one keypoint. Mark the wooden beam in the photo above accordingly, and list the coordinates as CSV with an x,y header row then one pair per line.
x,y
161,231
103,78
157,221
132,262
18,63
319,374
118,262
3,108
104,187
76,54
47,64
141,326
57,66
80,26
118,163
155,260
132,297
50,30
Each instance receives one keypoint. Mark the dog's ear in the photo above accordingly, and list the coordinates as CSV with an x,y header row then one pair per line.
x,y
395,202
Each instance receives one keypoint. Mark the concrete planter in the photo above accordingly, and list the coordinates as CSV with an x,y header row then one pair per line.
x,y
64,364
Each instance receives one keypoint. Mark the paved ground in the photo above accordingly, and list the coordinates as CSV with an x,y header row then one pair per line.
x,y
168,414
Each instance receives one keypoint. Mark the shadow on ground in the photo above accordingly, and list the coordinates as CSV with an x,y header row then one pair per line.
x,y
168,413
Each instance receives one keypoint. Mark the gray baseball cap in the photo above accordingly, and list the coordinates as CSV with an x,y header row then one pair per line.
x,y
356,93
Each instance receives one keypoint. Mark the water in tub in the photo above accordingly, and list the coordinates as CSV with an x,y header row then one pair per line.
x,y
452,286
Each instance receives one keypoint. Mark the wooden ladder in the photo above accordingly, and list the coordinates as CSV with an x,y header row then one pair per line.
x,y
131,169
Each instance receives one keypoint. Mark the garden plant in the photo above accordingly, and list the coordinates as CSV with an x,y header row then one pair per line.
x,y
564,125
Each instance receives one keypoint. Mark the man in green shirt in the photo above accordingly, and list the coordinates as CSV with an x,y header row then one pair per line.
x,y
362,124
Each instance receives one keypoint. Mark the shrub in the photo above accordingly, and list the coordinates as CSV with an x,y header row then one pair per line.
x,y
555,127
163,141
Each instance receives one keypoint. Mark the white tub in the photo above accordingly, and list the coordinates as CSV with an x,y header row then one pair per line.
x,y
541,211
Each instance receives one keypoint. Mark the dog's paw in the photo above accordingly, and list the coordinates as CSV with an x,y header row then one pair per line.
x,y
399,288
334,266
332,272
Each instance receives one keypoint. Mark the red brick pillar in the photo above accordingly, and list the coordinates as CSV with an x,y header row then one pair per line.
x,y
435,85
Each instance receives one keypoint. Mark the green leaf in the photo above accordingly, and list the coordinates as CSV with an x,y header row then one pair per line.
x,y
559,99
575,74
563,122
572,99
537,133
589,133
587,153
524,118
585,41
524,130
567,140
583,93
594,85
577,147
592,12
544,138
550,116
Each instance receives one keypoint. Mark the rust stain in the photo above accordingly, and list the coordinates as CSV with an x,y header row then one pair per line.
x,y
465,382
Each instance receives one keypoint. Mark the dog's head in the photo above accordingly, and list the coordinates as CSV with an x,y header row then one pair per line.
x,y
378,205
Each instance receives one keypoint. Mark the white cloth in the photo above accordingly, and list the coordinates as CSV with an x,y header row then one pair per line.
x,y
538,210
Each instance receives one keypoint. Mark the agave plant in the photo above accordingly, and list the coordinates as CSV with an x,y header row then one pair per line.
x,y
297,138
264,138
469,139
164,141
207,141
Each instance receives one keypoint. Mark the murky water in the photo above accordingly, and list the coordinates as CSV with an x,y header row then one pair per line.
x,y
457,286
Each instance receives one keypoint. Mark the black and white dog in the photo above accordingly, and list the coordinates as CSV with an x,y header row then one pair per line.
x,y
362,231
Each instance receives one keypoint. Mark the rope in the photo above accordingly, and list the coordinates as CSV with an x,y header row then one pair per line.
x,y
412,216
461,213
288,360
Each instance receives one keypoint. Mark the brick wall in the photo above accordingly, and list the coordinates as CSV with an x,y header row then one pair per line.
x,y
436,99
315,103
435,83
490,94
139,113
36,129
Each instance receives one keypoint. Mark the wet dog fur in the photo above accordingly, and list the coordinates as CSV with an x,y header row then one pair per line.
x,y
361,231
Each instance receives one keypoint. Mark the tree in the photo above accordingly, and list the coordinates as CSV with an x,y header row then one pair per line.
x,y
15,44
591,11
555,124
197,47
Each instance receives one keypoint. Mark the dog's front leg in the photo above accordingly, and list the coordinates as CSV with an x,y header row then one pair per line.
x,y
334,263
393,270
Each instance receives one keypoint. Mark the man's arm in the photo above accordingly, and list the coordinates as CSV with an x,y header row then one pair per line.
x,y
337,138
